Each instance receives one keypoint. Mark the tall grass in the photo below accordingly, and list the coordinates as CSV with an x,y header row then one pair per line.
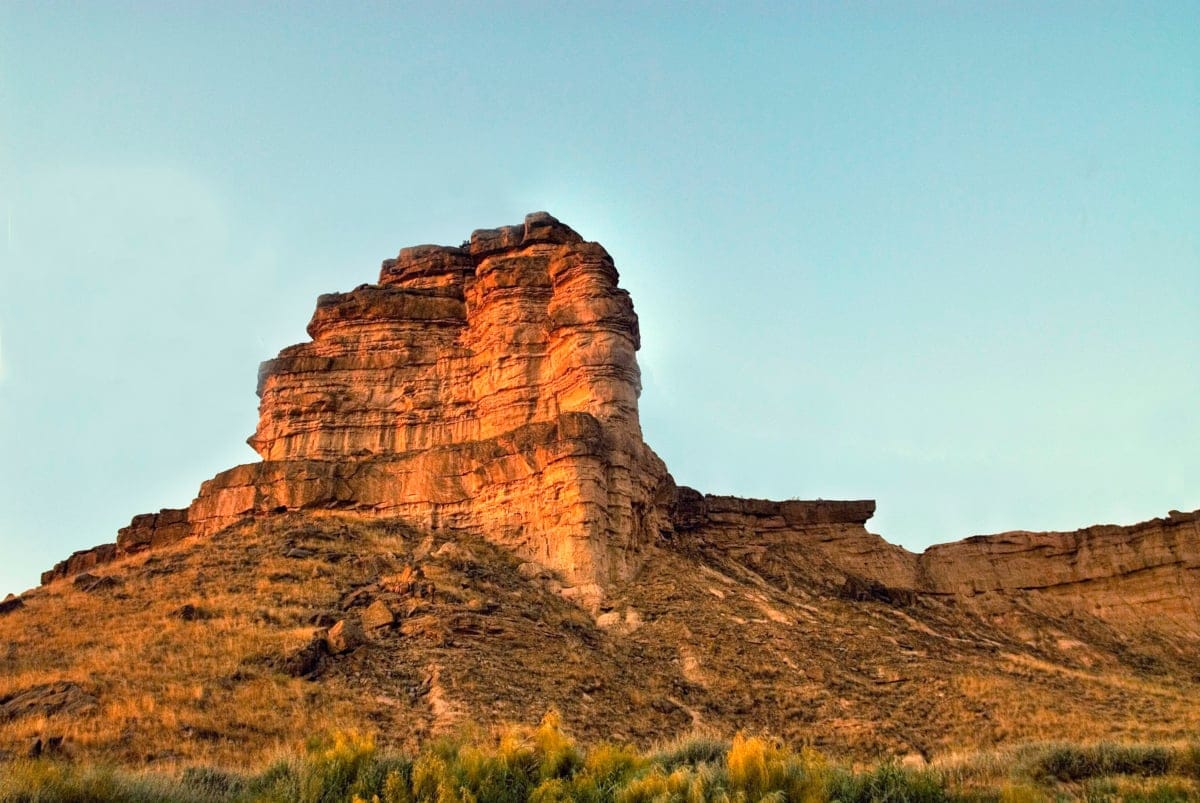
x,y
544,765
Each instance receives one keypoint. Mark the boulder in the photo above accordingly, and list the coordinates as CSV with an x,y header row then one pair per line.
x,y
344,636
377,615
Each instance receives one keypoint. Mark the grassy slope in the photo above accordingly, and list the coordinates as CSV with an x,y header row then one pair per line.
x,y
695,643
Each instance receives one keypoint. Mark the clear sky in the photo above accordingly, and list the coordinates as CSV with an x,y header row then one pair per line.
x,y
940,255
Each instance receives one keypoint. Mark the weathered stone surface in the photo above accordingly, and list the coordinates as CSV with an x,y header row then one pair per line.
x,y
306,662
492,389
145,531
1145,575
91,583
345,636
829,531
152,530
377,615
81,561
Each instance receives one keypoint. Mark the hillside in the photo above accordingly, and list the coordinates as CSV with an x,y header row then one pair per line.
x,y
456,521
197,652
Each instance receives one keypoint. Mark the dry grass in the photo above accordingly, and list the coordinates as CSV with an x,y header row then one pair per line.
x,y
544,764
775,653
171,689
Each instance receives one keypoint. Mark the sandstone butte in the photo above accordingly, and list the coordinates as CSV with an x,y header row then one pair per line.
x,y
456,520
492,389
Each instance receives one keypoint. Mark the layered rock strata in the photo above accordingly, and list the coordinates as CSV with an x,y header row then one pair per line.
x,y
832,533
493,388
145,531
1147,574
489,388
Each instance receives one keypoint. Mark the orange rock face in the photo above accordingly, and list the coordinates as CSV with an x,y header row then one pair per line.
x,y
1146,576
490,388
493,388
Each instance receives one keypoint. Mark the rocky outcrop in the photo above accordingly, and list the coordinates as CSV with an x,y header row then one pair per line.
x,y
489,388
145,531
492,388
152,530
81,561
831,532
1144,575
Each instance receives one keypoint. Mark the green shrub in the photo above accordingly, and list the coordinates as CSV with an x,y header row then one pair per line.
x,y
48,781
213,783
690,752
544,765
887,783
277,783
1070,764
1163,793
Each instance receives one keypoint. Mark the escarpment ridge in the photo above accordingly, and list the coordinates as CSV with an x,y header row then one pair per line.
x,y
492,389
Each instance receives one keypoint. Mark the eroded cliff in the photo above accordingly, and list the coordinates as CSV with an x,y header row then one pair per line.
x,y
489,388
492,389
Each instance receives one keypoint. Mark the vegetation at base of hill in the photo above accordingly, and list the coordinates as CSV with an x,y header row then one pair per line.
x,y
544,765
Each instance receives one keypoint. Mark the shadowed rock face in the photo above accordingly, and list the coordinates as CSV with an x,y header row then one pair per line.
x,y
493,389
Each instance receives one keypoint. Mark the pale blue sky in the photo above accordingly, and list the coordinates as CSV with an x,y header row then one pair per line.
x,y
941,255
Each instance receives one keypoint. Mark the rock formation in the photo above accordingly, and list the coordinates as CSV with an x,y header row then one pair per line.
x,y
1143,576
492,388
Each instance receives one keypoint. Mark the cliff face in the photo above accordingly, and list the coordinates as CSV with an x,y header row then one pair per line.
x,y
831,536
1143,576
492,389
489,388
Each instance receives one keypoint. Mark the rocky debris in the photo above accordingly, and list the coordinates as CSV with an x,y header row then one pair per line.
x,y
307,661
455,555
531,571
609,620
47,699
377,615
424,626
403,582
11,603
860,590
359,597
482,606
346,635
91,583
619,622
322,619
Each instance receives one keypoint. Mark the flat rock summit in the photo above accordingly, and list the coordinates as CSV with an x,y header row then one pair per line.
x,y
456,516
